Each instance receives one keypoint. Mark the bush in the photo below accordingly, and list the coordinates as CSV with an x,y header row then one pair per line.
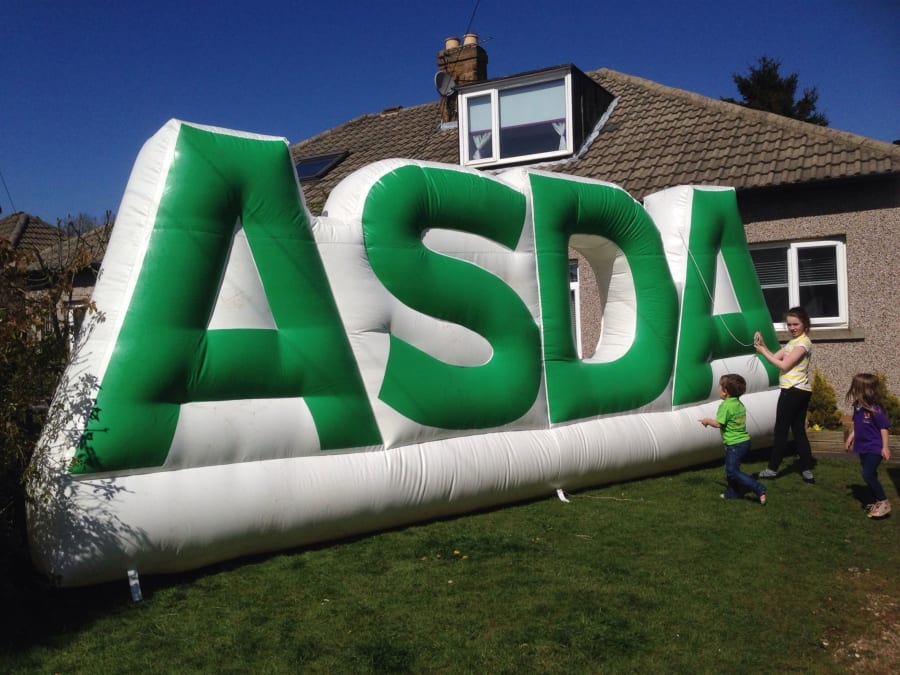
x,y
823,410
890,402
37,288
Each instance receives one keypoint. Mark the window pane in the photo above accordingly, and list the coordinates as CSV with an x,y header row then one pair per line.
x,y
573,310
817,265
772,270
309,168
771,266
533,119
479,113
778,302
817,268
533,104
479,116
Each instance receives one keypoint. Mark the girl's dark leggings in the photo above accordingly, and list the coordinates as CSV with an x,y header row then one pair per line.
x,y
790,415
869,463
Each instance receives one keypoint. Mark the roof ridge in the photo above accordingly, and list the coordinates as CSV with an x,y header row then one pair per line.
x,y
763,117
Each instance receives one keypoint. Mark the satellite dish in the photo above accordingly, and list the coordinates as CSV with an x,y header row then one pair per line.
x,y
444,83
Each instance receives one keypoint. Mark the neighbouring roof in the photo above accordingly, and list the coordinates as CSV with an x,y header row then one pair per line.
x,y
54,246
27,232
90,247
656,137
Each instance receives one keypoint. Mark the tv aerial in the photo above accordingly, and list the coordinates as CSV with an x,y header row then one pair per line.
x,y
444,83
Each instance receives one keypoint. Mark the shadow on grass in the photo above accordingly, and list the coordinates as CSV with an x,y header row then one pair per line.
x,y
893,474
36,613
862,494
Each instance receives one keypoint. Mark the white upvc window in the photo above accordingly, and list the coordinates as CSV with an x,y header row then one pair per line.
x,y
811,274
575,305
524,121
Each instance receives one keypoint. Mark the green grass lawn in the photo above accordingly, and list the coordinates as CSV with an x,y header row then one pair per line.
x,y
656,575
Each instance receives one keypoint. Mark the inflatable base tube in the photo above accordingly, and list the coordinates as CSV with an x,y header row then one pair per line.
x,y
175,521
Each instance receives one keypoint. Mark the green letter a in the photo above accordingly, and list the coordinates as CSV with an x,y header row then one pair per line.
x,y
716,228
166,356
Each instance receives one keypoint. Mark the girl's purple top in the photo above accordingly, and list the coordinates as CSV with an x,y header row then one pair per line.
x,y
867,426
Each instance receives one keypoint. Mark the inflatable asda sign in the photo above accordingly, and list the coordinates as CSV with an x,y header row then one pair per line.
x,y
258,379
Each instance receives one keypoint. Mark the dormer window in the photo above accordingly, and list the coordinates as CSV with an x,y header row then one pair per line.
x,y
528,118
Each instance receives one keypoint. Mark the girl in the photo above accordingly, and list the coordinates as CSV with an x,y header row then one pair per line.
x,y
790,414
869,436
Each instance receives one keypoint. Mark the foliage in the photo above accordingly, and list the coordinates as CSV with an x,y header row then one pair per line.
x,y
764,88
39,301
656,575
890,402
823,411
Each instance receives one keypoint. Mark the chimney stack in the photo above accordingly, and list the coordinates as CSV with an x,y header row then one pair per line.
x,y
465,64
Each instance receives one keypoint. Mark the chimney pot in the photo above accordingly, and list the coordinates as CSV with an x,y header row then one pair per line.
x,y
451,43
470,39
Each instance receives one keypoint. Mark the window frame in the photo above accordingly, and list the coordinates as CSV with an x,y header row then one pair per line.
x,y
792,248
494,91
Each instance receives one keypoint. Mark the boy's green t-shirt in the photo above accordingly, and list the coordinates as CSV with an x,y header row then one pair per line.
x,y
732,415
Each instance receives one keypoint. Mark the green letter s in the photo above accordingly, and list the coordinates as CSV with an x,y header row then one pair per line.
x,y
398,209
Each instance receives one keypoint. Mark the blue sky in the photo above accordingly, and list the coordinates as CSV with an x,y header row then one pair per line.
x,y
85,83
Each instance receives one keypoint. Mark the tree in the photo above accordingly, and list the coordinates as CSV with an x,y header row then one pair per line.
x,y
764,88
41,304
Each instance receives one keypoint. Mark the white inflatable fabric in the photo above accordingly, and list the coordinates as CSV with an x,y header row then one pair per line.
x,y
256,379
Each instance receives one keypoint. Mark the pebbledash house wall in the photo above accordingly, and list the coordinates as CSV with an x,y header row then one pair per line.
x,y
865,214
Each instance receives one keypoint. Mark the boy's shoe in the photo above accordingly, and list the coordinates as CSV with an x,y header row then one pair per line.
x,y
762,499
808,477
868,508
766,473
880,509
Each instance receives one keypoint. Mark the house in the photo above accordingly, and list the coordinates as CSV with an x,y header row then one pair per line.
x,y
65,259
57,247
821,207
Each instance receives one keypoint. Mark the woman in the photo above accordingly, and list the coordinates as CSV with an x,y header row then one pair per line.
x,y
790,414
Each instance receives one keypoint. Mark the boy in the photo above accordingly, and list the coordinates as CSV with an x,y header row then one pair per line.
x,y
731,419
